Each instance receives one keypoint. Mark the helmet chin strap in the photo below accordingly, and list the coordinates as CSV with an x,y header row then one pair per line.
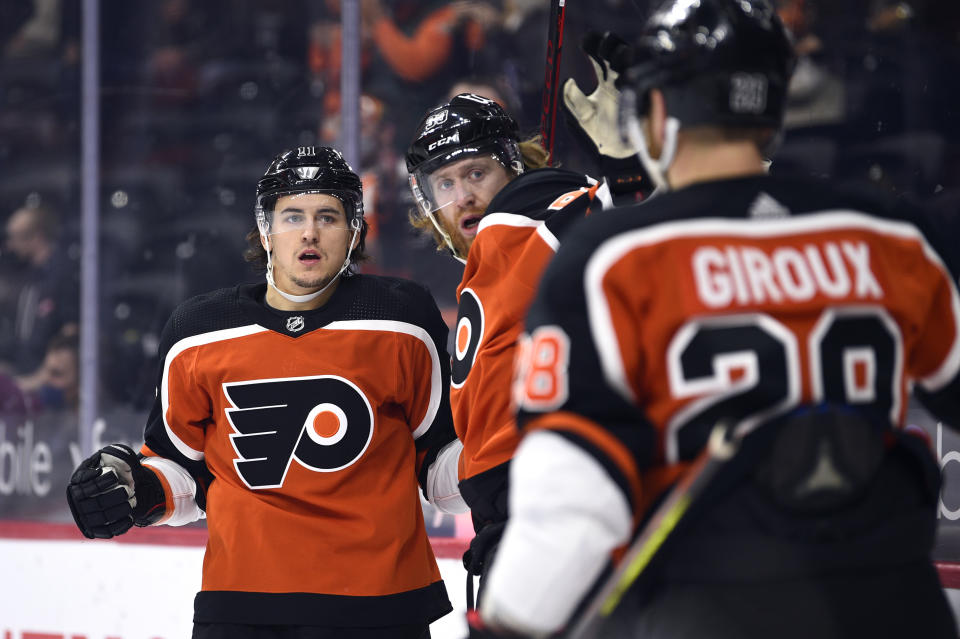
x,y
656,169
300,299
446,236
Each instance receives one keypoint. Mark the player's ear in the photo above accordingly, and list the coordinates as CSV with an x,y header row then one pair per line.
x,y
264,243
656,123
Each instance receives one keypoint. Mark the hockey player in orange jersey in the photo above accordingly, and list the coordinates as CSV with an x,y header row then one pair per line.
x,y
489,200
796,312
301,417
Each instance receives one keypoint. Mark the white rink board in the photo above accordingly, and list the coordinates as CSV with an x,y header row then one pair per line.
x,y
107,590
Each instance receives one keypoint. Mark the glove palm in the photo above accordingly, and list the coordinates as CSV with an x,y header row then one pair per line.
x,y
596,115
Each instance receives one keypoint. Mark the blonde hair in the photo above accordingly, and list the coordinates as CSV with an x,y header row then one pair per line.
x,y
532,153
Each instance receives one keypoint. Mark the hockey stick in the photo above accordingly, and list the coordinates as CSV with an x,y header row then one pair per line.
x,y
551,81
719,450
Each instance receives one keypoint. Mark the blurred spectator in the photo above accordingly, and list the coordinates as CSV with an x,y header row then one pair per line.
x,y
325,57
384,186
55,385
492,88
39,34
161,44
48,298
421,49
816,94
517,51
14,403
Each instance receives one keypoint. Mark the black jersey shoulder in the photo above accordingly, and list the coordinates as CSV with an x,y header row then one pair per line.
x,y
366,297
533,191
213,311
357,297
391,298
745,198
767,196
741,198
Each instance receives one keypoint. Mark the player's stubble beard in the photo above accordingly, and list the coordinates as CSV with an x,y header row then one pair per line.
x,y
460,243
316,282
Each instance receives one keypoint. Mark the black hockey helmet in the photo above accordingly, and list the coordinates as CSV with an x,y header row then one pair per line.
x,y
718,62
468,125
310,169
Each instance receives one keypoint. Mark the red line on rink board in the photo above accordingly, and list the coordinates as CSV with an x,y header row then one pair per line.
x,y
443,547
949,573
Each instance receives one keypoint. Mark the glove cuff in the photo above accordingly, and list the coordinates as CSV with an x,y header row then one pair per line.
x,y
626,179
151,499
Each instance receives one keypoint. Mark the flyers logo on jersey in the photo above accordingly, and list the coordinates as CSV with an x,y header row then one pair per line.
x,y
324,423
468,336
567,198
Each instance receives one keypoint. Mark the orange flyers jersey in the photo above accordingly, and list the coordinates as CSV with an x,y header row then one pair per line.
x,y
741,300
503,268
309,431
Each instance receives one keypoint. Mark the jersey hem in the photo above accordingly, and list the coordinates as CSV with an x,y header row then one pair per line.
x,y
423,605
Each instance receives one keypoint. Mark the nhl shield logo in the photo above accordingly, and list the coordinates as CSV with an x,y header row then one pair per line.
x,y
295,323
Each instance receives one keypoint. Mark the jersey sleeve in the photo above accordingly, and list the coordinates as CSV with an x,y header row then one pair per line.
x,y
935,361
577,471
560,384
426,385
503,270
177,421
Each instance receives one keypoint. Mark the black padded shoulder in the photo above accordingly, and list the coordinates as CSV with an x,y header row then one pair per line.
x,y
388,298
368,297
532,192
205,313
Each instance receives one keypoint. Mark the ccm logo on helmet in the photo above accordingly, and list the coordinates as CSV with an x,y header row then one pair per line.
x,y
324,423
453,138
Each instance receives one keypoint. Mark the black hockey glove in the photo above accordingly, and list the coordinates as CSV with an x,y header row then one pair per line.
x,y
111,491
483,547
479,557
